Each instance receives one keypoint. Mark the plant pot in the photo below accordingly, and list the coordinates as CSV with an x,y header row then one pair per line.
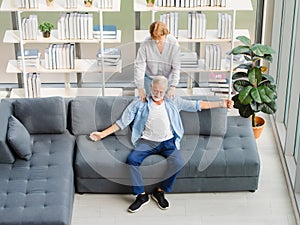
x,y
261,122
49,2
88,3
46,34
150,3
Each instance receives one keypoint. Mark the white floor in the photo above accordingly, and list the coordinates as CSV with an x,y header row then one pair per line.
x,y
269,205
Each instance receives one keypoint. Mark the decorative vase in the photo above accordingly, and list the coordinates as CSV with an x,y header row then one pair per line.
x,y
46,34
258,129
49,3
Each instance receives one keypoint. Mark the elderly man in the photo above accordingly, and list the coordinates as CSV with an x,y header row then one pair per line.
x,y
157,129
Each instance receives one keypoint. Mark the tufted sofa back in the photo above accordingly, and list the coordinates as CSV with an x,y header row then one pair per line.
x,y
96,113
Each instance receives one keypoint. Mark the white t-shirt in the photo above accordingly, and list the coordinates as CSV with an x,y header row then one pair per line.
x,y
158,127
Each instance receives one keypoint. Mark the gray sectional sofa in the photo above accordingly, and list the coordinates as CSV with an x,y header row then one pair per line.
x,y
220,154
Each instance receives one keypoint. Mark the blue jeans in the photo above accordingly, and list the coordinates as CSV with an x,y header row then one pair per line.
x,y
145,148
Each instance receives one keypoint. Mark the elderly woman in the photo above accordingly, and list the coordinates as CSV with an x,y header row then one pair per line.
x,y
159,54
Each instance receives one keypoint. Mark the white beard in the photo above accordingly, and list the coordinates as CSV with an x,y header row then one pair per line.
x,y
156,98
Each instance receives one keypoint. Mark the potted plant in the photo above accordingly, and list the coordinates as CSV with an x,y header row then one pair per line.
x,y
45,28
88,3
150,3
255,90
49,2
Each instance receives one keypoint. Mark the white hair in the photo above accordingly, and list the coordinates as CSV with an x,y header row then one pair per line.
x,y
159,80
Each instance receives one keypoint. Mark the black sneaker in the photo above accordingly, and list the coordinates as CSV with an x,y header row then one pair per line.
x,y
141,199
159,197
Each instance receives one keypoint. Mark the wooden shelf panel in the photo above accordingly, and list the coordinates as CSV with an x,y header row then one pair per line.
x,y
81,66
69,92
239,5
211,36
59,6
13,36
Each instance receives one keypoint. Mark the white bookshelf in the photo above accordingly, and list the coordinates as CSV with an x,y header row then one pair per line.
x,y
13,36
211,36
232,6
81,65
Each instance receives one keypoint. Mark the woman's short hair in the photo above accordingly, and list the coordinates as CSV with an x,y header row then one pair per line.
x,y
158,29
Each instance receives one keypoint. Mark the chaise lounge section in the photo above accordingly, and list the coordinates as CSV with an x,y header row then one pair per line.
x,y
39,190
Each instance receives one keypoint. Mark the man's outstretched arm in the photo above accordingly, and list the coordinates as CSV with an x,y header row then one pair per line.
x,y
99,135
226,103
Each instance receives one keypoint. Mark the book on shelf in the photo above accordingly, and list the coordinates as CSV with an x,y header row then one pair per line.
x,y
110,57
109,31
69,4
105,4
75,25
27,4
196,25
30,27
60,56
33,85
31,58
224,26
189,60
190,3
213,57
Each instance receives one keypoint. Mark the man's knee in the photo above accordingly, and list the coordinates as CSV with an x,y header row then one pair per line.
x,y
132,160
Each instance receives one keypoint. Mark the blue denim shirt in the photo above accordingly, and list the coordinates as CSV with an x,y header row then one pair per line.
x,y
138,111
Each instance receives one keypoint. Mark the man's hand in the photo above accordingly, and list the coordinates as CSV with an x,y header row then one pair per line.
x,y
96,136
227,103
171,92
142,94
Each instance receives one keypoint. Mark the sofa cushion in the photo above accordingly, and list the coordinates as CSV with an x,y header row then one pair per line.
x,y
6,156
93,113
19,138
42,115
211,122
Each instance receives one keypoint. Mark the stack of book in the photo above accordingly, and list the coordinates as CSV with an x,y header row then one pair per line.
x,y
188,60
196,25
60,56
105,4
33,85
111,56
171,21
75,25
224,25
27,4
213,57
30,27
31,58
109,31
69,4
190,3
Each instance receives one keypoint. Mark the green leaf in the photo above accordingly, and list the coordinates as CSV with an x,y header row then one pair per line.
x,y
269,108
268,77
244,110
254,76
239,75
245,96
244,66
255,94
245,40
240,50
239,85
262,50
